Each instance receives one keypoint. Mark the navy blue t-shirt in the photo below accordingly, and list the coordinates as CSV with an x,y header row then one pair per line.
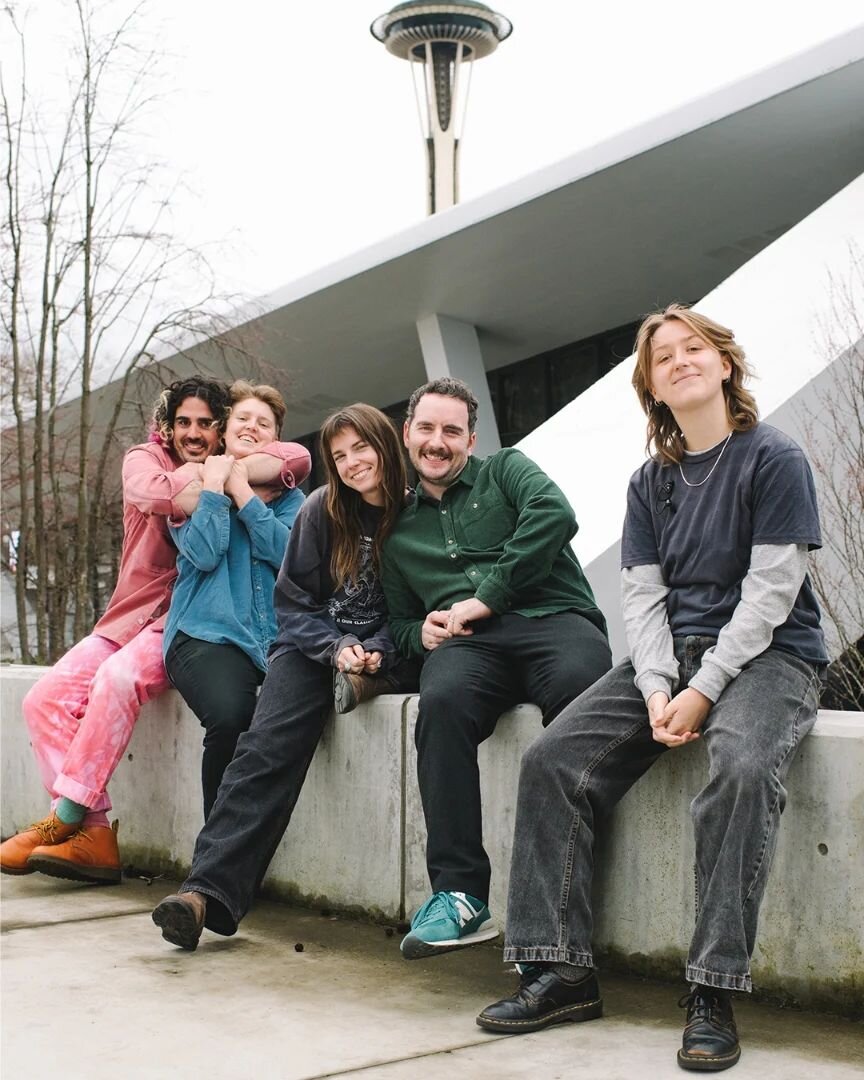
x,y
761,492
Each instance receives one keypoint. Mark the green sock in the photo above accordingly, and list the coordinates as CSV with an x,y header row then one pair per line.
x,y
570,973
70,813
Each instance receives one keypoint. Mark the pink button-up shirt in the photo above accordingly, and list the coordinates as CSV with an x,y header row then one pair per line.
x,y
152,479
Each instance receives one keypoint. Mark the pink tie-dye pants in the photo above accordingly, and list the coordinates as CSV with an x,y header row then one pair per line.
x,y
82,712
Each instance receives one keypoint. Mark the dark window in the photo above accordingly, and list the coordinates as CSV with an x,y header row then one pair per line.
x,y
522,397
571,372
525,394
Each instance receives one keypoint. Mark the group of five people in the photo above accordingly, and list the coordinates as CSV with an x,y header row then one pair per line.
x,y
466,587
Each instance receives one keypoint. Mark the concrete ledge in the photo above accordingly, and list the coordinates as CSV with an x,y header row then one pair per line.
x,y
357,839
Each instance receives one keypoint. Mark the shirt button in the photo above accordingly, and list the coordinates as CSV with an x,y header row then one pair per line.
x,y
140,622
443,511
475,505
450,541
452,554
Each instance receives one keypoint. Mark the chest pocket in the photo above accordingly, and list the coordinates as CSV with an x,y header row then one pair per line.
x,y
487,523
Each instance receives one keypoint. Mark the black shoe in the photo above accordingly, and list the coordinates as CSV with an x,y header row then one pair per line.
x,y
543,999
710,1038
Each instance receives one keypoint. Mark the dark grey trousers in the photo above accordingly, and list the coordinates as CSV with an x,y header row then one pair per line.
x,y
597,748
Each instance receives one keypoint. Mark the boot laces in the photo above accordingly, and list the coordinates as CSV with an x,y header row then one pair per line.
x,y
702,1004
46,828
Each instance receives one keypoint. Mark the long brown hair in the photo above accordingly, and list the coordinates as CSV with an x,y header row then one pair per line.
x,y
664,435
343,503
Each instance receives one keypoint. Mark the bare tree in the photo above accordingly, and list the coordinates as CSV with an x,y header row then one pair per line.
x,y
834,435
90,275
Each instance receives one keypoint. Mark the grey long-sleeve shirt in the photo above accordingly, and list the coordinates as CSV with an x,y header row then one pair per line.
x,y
768,592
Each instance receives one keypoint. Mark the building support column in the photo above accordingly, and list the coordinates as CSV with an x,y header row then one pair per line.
x,y
450,347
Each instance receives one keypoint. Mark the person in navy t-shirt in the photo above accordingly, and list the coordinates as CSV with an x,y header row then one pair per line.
x,y
725,646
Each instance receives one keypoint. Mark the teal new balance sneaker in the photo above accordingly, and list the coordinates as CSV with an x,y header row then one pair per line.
x,y
447,921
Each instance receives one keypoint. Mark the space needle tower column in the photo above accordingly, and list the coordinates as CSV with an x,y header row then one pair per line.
x,y
439,39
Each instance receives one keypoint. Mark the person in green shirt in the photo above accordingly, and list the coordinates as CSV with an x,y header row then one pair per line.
x,y
481,581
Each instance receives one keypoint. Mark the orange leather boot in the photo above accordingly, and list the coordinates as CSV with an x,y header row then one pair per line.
x,y
90,855
15,851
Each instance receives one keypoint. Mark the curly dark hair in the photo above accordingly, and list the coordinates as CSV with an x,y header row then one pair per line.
x,y
212,391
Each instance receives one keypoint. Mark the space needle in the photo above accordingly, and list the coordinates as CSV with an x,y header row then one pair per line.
x,y
439,40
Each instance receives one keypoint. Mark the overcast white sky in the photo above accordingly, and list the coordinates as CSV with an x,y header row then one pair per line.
x,y
297,132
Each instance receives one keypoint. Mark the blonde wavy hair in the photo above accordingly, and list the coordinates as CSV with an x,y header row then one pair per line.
x,y
664,436
242,391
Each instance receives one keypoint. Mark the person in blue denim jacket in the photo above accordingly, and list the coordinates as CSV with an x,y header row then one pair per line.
x,y
726,647
221,621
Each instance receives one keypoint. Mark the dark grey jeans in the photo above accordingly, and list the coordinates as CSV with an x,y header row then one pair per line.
x,y
598,747
261,786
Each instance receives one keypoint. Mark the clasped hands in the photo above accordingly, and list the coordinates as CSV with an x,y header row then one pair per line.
x,y
439,626
678,721
224,474
355,660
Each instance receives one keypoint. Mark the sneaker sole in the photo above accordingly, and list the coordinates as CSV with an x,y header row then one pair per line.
x,y
99,875
177,922
586,1010
417,949
701,1063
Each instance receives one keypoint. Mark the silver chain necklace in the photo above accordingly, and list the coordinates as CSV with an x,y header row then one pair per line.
x,y
713,467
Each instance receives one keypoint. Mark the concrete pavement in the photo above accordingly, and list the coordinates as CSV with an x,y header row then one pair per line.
x,y
90,989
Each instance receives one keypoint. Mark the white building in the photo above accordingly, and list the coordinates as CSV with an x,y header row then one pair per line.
x,y
748,201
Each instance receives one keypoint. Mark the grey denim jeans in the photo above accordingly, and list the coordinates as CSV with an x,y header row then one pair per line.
x,y
598,747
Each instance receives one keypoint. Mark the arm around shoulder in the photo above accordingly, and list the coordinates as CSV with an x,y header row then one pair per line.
x,y
287,463
152,480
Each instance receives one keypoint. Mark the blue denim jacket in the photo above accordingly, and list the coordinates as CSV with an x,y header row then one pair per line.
x,y
226,570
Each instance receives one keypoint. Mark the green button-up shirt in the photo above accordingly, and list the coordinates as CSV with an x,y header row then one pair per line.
x,y
501,533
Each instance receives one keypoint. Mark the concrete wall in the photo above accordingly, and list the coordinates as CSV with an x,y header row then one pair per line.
x,y
357,838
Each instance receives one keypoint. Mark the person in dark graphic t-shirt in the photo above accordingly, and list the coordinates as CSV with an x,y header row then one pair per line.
x,y
331,625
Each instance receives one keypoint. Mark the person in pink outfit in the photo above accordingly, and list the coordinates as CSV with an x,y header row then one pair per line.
x,y
81,713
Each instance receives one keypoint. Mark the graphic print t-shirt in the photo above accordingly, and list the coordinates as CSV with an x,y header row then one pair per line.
x,y
357,606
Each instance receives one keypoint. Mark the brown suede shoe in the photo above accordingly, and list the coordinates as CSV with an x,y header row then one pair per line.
x,y
15,851
181,918
350,690
90,855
